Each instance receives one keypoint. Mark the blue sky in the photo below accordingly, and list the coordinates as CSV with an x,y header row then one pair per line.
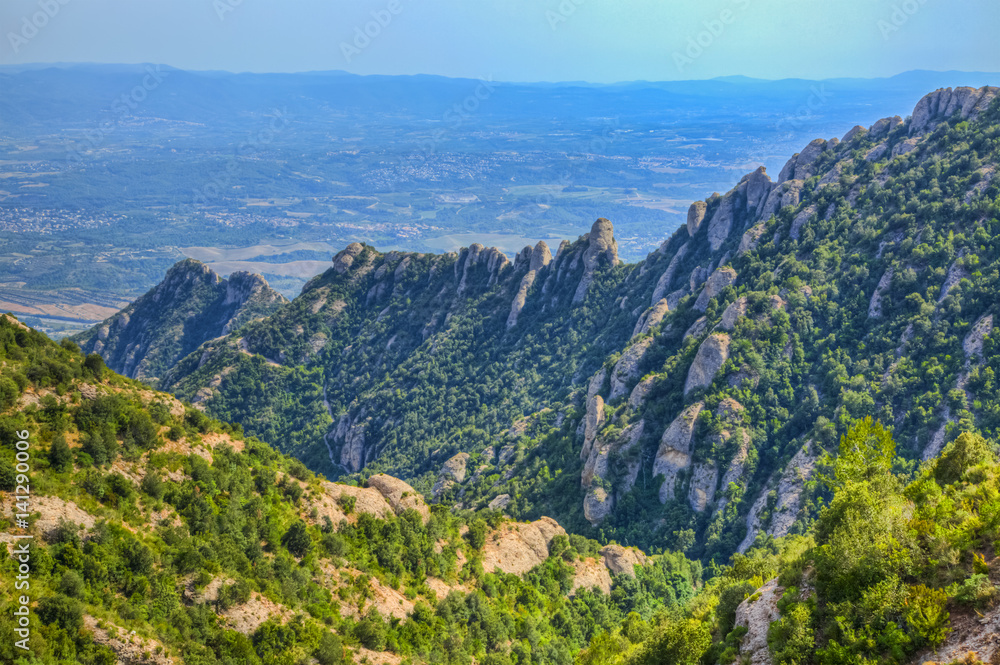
x,y
514,40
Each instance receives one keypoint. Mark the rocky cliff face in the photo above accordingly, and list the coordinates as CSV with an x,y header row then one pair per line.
x,y
190,306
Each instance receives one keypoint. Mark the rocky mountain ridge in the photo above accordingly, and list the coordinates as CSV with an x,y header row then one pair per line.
x,y
189,307
695,390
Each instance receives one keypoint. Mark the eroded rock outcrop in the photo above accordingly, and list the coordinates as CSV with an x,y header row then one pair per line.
x,y
674,453
941,104
756,614
452,473
400,495
592,424
722,223
602,250
712,355
667,278
714,285
627,368
696,215
516,548
537,258
595,478
651,317
622,560
344,259
875,305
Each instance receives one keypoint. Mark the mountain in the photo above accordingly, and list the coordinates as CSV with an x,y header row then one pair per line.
x,y
157,535
190,306
684,399
153,534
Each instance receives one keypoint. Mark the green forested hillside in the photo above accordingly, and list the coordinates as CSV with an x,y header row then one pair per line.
x,y
162,536
682,402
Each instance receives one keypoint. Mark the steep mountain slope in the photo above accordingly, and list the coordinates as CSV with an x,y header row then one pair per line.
x,y
190,306
680,402
156,535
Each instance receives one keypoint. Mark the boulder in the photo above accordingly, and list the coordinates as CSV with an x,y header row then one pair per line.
x,y
596,505
641,391
854,132
500,502
452,472
736,310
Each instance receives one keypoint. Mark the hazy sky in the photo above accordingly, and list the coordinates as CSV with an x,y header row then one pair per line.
x,y
514,40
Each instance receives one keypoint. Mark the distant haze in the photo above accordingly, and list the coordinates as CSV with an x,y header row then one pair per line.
x,y
514,40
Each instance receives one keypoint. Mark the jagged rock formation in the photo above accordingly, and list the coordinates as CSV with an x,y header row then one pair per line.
x,y
393,361
944,103
190,306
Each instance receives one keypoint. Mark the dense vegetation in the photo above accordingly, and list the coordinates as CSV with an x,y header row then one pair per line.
x,y
897,555
172,516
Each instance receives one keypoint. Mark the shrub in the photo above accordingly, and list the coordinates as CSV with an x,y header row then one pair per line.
x,y
296,540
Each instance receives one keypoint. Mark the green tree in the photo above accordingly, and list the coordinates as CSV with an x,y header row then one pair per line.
x,y
297,540
60,456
